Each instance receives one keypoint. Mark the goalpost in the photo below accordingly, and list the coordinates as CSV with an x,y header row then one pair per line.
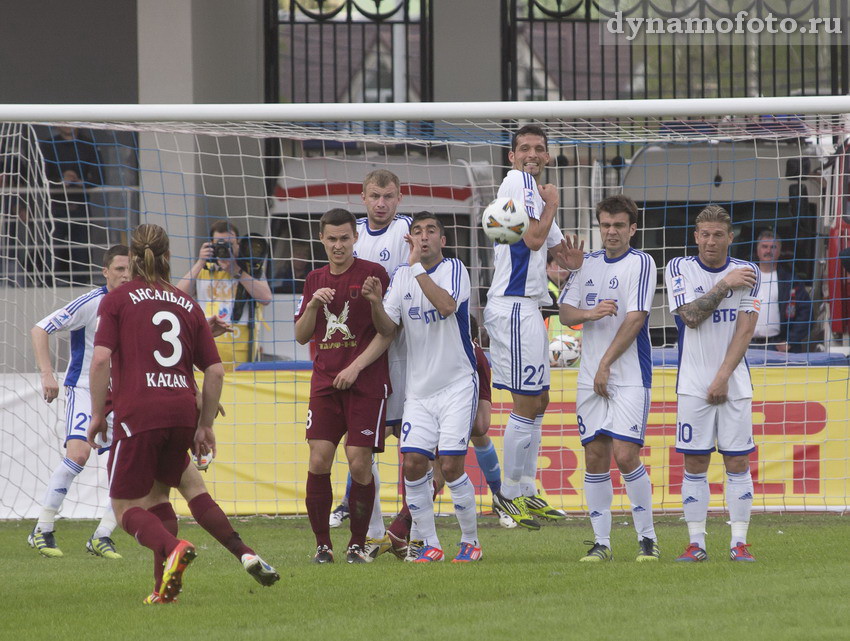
x,y
272,170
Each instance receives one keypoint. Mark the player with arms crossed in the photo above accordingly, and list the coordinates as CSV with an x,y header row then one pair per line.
x,y
519,344
715,302
612,295
77,317
350,382
430,296
380,239
149,336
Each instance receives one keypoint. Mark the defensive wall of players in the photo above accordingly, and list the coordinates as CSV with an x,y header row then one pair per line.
x,y
801,423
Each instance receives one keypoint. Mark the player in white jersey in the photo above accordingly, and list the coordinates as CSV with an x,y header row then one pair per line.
x,y
519,344
78,317
381,239
430,297
715,302
612,296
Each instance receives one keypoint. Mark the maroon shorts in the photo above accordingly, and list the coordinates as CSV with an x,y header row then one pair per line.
x,y
344,412
137,461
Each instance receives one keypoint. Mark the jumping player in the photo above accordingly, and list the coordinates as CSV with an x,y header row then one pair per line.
x,y
77,317
612,295
519,345
149,336
715,302
350,382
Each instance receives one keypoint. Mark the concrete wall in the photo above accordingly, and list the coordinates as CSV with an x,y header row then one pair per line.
x,y
54,51
208,51
467,62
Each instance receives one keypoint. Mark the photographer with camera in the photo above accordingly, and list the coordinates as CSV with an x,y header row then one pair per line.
x,y
228,281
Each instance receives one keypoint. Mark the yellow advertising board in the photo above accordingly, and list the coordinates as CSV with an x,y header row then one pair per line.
x,y
801,425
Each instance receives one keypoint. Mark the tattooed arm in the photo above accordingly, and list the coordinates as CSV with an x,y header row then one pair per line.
x,y
695,312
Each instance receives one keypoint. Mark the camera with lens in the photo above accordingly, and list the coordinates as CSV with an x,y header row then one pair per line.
x,y
222,249
253,254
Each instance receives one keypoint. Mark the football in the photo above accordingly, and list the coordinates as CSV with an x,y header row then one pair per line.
x,y
504,222
564,351
203,461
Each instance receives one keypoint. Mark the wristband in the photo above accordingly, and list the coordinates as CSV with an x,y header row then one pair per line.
x,y
417,270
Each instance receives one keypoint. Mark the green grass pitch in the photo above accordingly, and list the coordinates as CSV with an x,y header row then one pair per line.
x,y
529,585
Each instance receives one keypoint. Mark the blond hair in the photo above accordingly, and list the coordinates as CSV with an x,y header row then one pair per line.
x,y
381,178
714,214
149,255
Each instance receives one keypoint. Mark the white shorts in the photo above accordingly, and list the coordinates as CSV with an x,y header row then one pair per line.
x,y
699,425
623,416
442,421
78,416
395,401
519,345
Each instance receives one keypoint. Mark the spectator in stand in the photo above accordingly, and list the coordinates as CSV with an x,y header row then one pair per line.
x,y
72,168
785,320
290,279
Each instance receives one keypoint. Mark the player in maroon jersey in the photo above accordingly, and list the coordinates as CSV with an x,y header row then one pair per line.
x,y
148,338
350,381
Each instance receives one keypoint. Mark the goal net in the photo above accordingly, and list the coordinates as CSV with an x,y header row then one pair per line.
x,y
76,179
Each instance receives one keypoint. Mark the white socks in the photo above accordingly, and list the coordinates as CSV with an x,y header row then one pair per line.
x,y
107,523
57,489
599,493
639,490
519,440
695,498
463,499
528,481
420,502
376,522
739,500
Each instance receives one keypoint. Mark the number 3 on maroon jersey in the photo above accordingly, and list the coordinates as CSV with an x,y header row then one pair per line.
x,y
169,336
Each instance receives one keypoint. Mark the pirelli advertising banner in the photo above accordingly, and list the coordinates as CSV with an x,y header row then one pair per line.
x,y
801,426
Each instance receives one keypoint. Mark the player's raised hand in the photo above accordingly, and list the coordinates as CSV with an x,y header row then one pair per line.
x,y
549,194
570,253
323,296
372,290
49,386
741,278
603,308
415,249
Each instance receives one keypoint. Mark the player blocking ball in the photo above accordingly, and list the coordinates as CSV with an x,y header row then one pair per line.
x,y
503,222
